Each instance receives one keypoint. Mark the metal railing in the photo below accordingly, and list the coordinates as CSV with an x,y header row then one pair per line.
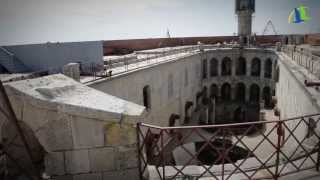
x,y
272,149
123,64
304,58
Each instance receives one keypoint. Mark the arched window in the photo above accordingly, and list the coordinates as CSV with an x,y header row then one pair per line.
x,y
277,74
268,68
205,91
204,69
214,91
187,112
245,40
146,97
172,119
198,97
240,92
239,115
213,67
255,67
226,67
267,96
254,93
241,66
226,92
286,40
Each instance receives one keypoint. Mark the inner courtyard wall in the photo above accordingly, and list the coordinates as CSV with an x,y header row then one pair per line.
x,y
295,99
187,81
184,75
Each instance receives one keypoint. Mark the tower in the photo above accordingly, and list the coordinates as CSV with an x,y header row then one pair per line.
x,y
244,9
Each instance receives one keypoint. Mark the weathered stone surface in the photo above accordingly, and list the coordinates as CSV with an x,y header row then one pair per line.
x,y
102,159
58,92
119,134
127,157
56,135
96,176
35,117
132,174
65,177
87,132
17,105
162,106
72,70
54,163
77,161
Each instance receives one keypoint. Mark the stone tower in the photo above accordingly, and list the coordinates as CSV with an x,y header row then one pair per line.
x,y
244,10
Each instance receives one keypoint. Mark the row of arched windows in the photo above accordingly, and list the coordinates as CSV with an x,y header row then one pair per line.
x,y
241,67
240,93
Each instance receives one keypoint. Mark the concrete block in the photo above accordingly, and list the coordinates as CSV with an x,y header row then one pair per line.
x,y
96,176
117,135
56,135
54,163
132,174
77,161
87,132
102,159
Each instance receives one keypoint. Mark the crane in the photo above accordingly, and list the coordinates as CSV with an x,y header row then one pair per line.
x,y
269,24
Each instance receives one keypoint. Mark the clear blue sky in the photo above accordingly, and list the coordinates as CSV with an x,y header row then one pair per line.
x,y
38,21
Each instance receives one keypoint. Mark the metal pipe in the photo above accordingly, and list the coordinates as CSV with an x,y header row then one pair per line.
x,y
311,83
228,125
139,151
278,149
162,156
318,156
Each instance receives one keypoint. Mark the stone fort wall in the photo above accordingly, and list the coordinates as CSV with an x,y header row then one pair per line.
x,y
175,83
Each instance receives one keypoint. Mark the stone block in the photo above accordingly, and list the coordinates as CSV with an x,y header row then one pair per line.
x,y
127,157
17,105
56,135
132,174
66,177
96,176
120,134
102,159
35,117
72,70
54,163
87,132
77,161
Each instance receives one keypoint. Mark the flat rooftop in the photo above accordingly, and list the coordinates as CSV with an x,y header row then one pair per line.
x,y
148,58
